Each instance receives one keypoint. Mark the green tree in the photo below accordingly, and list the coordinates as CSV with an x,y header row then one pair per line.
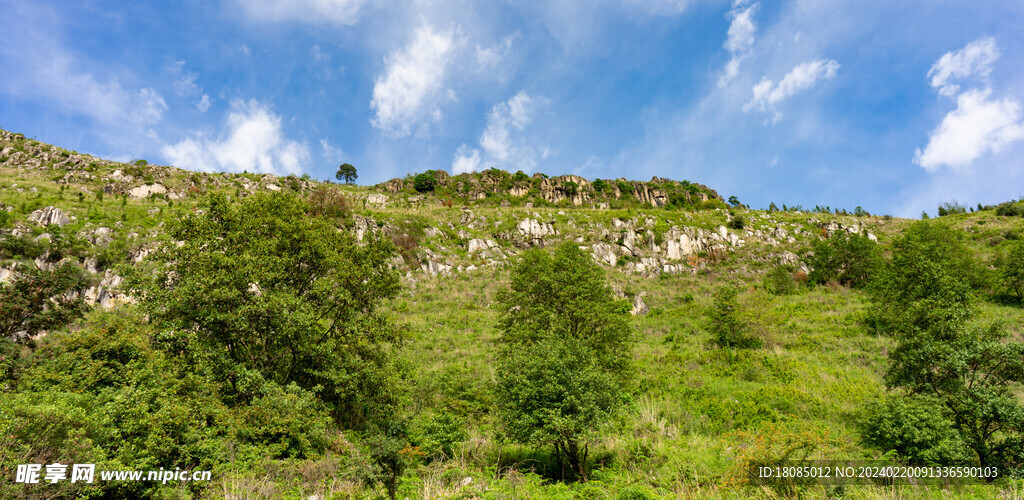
x,y
565,354
726,326
848,259
425,182
927,281
1013,270
260,291
734,201
37,300
971,371
347,173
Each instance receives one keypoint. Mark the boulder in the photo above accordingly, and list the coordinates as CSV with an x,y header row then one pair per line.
x,y
49,215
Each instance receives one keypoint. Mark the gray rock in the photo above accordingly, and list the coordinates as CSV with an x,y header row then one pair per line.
x,y
49,215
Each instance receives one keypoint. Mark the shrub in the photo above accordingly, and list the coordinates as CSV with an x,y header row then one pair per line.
x,y
950,208
780,280
425,182
1010,209
1013,270
727,329
599,185
327,202
913,427
848,259
738,222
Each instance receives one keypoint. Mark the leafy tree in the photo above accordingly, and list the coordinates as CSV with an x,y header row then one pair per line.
x,y
259,291
37,301
600,185
425,182
927,281
565,354
923,298
772,207
727,328
1013,270
848,259
914,427
347,173
734,201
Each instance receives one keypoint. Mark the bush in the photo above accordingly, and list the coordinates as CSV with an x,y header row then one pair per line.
x,y
1013,270
780,280
913,427
726,327
738,222
599,185
950,208
848,259
327,202
1010,208
425,182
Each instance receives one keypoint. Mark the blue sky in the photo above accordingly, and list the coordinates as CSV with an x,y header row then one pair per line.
x,y
894,106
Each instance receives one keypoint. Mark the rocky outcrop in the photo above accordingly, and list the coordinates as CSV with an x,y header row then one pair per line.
x,y
146,190
49,215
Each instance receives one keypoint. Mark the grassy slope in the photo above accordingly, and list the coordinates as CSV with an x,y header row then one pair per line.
x,y
696,413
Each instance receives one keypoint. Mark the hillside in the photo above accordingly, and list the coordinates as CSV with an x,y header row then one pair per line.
x,y
698,413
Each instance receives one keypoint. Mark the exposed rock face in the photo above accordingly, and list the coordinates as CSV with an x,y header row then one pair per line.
x,y
49,215
476,245
603,253
534,231
146,190
639,307
376,199
434,268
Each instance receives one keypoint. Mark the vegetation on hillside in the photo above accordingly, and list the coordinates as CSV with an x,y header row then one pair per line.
x,y
299,338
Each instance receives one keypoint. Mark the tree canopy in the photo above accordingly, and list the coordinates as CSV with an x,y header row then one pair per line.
x,y
347,173
566,353
258,290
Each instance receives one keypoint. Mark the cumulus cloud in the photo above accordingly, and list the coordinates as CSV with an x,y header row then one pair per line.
x,y
466,160
802,77
203,104
979,124
413,78
501,148
740,39
974,60
251,140
310,11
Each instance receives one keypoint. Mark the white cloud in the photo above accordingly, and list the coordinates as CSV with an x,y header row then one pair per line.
x,y
310,11
501,148
741,38
802,77
412,81
974,60
466,160
203,104
251,140
978,125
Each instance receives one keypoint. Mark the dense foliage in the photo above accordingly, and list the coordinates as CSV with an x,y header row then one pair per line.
x,y
260,292
566,354
847,259
970,371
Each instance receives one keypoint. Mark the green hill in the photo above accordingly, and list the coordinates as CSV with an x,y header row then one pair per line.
x,y
110,387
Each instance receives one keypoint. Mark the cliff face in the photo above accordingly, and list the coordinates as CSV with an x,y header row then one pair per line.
x,y
564,189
